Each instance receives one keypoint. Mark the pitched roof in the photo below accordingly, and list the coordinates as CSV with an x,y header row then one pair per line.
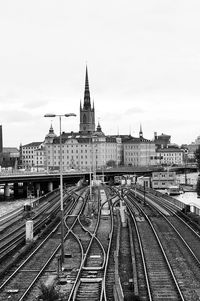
x,y
10,150
32,144
133,140
169,150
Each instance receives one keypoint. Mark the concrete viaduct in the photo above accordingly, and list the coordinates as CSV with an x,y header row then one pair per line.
x,y
36,184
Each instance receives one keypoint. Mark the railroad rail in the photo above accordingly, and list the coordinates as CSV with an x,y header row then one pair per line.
x,y
19,283
90,279
178,253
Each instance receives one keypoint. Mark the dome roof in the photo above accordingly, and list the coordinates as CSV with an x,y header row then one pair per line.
x,y
99,131
51,133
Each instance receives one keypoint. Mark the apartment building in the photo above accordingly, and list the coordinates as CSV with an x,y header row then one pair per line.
x,y
170,156
139,152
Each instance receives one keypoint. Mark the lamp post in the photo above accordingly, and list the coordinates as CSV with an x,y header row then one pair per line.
x,y
61,180
144,186
185,159
91,169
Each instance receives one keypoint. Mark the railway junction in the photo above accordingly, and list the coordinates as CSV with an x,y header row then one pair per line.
x,y
120,243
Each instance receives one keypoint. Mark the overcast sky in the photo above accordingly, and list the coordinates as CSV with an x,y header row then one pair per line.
x,y
143,59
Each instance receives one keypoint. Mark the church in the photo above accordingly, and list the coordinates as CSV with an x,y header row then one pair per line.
x,y
89,148
86,149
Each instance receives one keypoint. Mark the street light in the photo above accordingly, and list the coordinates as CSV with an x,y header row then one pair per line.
x,y
92,166
61,180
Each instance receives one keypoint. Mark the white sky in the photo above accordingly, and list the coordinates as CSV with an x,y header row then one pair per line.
x,y
143,60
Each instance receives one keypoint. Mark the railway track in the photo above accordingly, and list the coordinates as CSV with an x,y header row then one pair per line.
x,y
89,284
161,283
21,280
127,262
187,232
182,262
144,259
109,275
13,238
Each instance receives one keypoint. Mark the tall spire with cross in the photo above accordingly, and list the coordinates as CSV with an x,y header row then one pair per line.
x,y
87,104
141,133
87,113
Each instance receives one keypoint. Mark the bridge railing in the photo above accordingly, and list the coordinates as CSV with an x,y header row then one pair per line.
x,y
18,173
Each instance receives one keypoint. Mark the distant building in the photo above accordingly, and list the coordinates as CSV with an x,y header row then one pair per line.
x,y
144,181
192,148
82,152
170,156
39,158
28,154
85,149
197,140
163,179
1,145
162,141
1,139
90,147
139,151
10,157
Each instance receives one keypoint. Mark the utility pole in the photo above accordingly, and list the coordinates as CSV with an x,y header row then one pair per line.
x,y
144,185
185,157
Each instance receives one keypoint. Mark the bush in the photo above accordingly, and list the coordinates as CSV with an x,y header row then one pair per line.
x,y
48,293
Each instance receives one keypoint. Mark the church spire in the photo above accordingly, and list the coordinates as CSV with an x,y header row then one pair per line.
x,y
51,131
87,113
87,104
141,133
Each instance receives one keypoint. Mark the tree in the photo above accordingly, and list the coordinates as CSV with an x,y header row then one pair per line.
x,y
198,187
48,293
111,163
197,156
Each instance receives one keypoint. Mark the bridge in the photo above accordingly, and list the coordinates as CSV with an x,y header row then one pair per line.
x,y
37,183
184,168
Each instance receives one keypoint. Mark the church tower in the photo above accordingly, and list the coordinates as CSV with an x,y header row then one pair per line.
x,y
141,132
87,113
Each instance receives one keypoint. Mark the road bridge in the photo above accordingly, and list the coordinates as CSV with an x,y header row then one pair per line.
x,y
36,183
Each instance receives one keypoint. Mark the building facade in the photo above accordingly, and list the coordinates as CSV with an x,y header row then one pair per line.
x,y
163,179
170,156
28,154
192,148
139,152
83,150
89,147
10,158
162,141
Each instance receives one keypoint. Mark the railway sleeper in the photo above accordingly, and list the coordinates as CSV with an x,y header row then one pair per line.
x,y
92,268
89,280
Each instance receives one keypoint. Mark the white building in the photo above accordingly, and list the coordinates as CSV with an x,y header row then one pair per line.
x,y
39,158
28,159
170,156
89,147
139,152
163,179
192,148
82,152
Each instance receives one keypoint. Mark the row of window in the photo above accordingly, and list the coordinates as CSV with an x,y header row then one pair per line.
x,y
68,164
172,154
163,183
